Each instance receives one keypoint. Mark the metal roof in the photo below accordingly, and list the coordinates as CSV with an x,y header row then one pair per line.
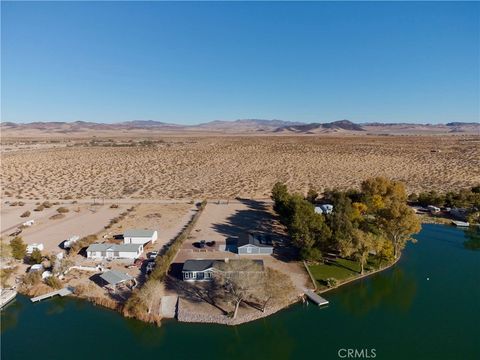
x,y
198,265
138,233
114,277
255,239
115,247
202,265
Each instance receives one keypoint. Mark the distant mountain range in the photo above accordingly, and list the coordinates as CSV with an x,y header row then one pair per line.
x,y
244,126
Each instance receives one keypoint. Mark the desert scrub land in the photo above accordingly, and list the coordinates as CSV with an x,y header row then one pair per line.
x,y
245,166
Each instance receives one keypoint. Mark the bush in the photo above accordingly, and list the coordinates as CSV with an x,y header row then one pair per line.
x,y
36,257
18,248
62,210
25,214
32,278
113,206
53,282
46,204
331,282
39,208
21,203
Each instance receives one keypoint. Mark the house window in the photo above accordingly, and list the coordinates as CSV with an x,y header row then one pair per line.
x,y
186,275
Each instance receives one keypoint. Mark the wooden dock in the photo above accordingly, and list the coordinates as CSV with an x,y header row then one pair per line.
x,y
317,299
6,295
62,292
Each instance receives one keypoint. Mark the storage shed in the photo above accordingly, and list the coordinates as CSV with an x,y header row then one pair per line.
x,y
134,236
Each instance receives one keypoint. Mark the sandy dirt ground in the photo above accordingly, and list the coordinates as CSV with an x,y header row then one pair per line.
x,y
81,220
167,219
224,223
230,166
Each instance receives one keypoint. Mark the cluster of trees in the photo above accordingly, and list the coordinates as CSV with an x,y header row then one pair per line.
x,y
375,219
464,198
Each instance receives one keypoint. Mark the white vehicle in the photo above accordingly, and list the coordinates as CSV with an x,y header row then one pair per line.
x,y
36,267
29,223
70,241
32,247
152,255
150,267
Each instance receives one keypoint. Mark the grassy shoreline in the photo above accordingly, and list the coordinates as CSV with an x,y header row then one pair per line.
x,y
321,288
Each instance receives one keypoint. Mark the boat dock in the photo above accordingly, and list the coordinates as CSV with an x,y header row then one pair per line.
x,y
317,299
62,292
6,295
460,223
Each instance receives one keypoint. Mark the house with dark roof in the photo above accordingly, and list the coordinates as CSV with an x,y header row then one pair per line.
x,y
255,243
204,269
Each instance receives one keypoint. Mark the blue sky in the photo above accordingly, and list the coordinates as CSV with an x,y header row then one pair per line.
x,y
197,62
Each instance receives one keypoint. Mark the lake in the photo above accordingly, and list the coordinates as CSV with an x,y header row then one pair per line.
x,y
426,307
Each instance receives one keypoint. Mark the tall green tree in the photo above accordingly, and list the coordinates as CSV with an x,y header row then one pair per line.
x,y
398,223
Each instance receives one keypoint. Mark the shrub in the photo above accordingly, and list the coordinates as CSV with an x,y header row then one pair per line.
x,y
25,214
62,210
53,282
39,208
36,257
57,216
331,282
114,206
18,248
21,203
46,204
5,275
32,278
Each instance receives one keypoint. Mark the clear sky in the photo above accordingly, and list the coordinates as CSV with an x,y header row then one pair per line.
x,y
197,62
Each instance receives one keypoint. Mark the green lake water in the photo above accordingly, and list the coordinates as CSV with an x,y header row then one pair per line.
x,y
399,313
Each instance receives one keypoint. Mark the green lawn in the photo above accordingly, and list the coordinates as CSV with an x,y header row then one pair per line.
x,y
340,269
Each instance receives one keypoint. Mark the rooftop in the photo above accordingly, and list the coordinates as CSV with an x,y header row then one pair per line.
x,y
114,247
138,233
114,277
205,264
256,239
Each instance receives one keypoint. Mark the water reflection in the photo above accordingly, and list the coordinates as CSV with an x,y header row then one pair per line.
x,y
395,289
473,238
10,315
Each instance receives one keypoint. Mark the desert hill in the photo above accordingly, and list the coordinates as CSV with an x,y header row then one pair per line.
x,y
242,126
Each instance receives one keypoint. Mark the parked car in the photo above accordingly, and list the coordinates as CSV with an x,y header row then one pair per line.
x,y
150,267
138,262
153,255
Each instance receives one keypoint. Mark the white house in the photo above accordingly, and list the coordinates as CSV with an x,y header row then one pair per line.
x,y
324,209
114,251
133,236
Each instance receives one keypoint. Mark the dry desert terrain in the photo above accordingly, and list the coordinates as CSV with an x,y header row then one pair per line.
x,y
188,167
